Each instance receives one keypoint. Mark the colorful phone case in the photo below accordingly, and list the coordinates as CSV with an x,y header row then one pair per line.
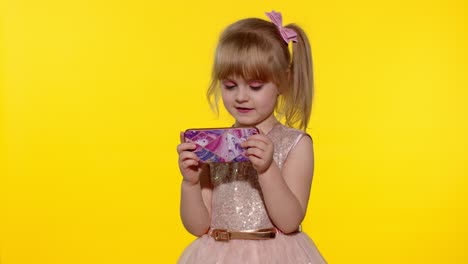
x,y
220,144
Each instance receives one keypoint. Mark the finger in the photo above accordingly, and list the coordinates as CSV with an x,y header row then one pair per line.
x,y
255,152
260,137
186,155
188,163
255,160
186,146
255,144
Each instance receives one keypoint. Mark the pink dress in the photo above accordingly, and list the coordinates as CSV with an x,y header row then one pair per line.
x,y
237,204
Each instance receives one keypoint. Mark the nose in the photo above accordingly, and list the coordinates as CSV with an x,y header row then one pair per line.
x,y
242,94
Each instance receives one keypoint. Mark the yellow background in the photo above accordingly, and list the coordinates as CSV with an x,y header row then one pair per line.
x,y
94,94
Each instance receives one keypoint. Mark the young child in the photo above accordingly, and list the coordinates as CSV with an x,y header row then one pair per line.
x,y
251,212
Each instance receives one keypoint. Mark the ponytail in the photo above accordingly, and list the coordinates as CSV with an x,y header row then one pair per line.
x,y
298,101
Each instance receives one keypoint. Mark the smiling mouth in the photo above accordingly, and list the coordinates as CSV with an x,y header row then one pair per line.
x,y
243,109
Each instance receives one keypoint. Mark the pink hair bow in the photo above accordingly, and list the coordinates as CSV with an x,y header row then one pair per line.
x,y
287,33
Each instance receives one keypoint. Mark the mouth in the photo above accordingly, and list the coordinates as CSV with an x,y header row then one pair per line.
x,y
243,109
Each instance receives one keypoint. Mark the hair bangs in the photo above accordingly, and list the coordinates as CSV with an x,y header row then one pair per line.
x,y
245,55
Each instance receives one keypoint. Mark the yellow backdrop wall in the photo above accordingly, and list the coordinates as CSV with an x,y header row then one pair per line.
x,y
94,94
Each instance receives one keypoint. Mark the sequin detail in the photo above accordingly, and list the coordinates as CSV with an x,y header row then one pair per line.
x,y
237,201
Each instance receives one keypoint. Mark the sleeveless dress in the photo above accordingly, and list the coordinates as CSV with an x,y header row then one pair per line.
x,y
237,204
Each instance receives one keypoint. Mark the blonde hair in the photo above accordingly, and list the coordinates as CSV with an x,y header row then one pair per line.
x,y
253,49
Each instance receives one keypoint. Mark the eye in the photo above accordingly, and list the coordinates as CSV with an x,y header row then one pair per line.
x,y
256,88
229,85
256,85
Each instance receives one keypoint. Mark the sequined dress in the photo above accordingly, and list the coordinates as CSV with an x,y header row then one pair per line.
x,y
237,204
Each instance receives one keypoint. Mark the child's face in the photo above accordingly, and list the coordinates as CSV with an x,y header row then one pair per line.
x,y
250,102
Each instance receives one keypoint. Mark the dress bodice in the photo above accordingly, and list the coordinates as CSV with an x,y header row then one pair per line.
x,y
237,201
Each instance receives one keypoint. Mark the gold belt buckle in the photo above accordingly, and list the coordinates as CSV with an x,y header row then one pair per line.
x,y
221,235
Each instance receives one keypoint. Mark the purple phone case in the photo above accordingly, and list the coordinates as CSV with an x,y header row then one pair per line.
x,y
220,144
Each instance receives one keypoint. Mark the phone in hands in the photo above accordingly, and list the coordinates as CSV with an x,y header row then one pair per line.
x,y
219,144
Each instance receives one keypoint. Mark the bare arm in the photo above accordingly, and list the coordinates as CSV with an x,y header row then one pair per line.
x,y
196,190
286,192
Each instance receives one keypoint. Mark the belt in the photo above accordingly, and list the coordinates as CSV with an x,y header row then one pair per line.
x,y
226,235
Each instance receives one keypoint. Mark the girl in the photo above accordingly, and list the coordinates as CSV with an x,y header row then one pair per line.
x,y
250,212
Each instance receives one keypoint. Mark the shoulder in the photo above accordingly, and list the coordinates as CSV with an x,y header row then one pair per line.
x,y
282,134
303,147
286,139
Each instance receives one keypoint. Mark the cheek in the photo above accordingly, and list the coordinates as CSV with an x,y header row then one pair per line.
x,y
268,102
273,103
226,97
223,95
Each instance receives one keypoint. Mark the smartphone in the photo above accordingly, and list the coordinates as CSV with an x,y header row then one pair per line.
x,y
220,144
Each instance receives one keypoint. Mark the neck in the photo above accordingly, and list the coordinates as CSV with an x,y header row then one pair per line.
x,y
266,125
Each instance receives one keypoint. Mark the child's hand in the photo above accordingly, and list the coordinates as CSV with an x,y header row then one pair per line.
x,y
189,163
260,151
